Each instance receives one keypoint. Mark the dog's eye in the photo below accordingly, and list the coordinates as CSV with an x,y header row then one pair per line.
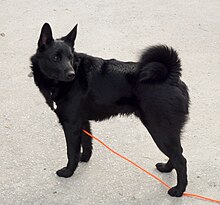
x,y
56,58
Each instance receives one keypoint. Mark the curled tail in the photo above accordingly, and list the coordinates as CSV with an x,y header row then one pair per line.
x,y
159,63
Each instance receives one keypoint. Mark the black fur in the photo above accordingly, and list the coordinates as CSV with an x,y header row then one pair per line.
x,y
88,88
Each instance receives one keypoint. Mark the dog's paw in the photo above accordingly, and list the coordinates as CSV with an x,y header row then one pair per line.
x,y
175,191
65,172
162,167
85,156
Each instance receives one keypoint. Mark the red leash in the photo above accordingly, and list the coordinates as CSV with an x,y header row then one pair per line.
x,y
152,175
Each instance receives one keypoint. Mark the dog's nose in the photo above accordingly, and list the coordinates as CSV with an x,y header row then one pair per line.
x,y
70,75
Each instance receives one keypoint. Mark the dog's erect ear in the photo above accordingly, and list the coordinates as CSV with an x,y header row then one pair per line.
x,y
71,36
45,36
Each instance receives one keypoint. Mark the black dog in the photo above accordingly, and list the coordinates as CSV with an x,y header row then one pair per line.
x,y
89,88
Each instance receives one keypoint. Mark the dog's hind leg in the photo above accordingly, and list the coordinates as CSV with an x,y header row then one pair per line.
x,y
167,137
86,143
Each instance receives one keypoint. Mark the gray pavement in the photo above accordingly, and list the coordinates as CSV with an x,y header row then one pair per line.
x,y
32,145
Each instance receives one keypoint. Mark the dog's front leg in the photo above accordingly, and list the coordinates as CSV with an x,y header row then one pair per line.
x,y
72,134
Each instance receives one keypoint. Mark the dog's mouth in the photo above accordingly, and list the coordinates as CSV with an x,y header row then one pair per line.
x,y
64,79
67,79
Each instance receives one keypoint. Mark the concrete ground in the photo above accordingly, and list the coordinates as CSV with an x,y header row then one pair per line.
x,y
32,145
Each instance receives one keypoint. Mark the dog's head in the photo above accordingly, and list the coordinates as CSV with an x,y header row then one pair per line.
x,y
56,57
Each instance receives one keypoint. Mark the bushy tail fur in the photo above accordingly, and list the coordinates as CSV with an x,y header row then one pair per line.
x,y
159,63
